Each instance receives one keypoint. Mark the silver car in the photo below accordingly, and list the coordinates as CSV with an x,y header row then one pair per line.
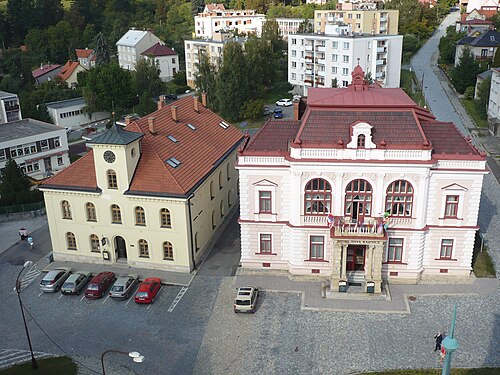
x,y
124,286
53,280
76,282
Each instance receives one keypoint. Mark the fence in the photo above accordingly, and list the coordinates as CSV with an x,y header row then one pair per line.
x,y
27,207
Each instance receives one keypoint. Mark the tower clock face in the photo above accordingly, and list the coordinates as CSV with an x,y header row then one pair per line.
x,y
109,156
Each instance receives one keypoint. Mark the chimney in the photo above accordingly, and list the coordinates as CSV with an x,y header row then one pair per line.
x,y
161,102
196,104
128,119
174,113
296,110
204,99
151,124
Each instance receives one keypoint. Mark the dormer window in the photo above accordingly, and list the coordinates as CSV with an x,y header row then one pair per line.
x,y
361,140
361,136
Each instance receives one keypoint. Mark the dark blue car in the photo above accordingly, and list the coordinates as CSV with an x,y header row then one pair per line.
x,y
278,113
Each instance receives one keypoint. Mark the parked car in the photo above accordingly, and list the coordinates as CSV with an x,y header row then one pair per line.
x,y
278,113
99,284
267,111
75,283
246,299
124,286
284,103
454,9
53,280
171,96
148,290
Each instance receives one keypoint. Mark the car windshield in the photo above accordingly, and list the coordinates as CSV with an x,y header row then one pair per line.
x,y
93,287
45,282
69,285
117,288
243,302
141,294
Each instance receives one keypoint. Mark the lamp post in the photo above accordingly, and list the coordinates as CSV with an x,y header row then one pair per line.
x,y
27,264
136,357
450,344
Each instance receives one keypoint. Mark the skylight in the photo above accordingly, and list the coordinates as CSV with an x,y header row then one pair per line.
x,y
191,126
173,162
172,138
223,125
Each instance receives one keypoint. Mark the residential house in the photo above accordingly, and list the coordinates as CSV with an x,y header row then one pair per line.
x,y
39,148
480,78
69,73
372,21
86,57
165,58
482,5
366,187
473,26
70,114
318,60
482,46
494,101
9,107
151,195
289,26
46,73
132,45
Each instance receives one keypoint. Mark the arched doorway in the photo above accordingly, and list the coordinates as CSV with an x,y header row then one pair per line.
x,y
120,248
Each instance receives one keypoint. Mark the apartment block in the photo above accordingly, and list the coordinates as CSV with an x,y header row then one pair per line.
x,y
361,20
9,107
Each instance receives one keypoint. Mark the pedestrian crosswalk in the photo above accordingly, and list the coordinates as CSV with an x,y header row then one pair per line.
x,y
10,357
29,276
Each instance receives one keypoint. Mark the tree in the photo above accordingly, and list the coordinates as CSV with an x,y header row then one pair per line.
x,y
20,14
101,49
197,6
496,60
260,6
447,45
368,78
15,186
48,12
483,97
335,83
146,79
205,80
464,74
305,27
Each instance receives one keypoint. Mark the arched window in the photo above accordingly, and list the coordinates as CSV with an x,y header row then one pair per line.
x,y
318,197
399,199
221,208
213,220
116,214
358,199
94,243
196,246
66,210
165,219
211,190
140,216
112,181
220,180
71,241
361,140
143,249
90,209
168,251
227,172
229,204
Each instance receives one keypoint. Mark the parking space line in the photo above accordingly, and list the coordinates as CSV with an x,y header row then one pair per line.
x,y
177,299
81,299
130,299
157,294
107,297
60,296
40,294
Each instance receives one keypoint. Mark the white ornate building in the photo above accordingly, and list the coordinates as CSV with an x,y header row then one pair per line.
x,y
366,186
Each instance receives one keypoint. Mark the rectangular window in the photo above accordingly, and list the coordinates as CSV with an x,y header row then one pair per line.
x,y
446,249
395,250
294,64
2,154
265,244
346,45
317,247
451,208
60,160
334,69
44,144
335,58
265,202
345,71
335,45
294,53
345,58
294,41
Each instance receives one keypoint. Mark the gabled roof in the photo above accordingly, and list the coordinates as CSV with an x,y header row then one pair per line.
x,y
44,70
68,69
213,6
131,38
485,74
478,4
116,136
199,151
159,50
476,21
83,53
490,38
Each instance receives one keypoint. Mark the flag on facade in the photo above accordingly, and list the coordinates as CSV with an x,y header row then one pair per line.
x,y
330,220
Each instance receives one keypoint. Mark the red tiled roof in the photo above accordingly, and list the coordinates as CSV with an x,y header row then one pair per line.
x,y
198,151
83,53
44,70
78,176
68,69
274,136
159,50
476,21
488,13
447,140
214,6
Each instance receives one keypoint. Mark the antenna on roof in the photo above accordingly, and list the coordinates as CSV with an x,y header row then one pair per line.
x,y
358,61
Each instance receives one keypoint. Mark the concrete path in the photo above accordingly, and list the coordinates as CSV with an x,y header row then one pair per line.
x,y
9,231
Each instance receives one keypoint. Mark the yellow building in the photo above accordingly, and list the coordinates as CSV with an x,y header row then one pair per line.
x,y
151,195
376,21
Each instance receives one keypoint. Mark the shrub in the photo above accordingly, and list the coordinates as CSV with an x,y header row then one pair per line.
x,y
252,109
469,92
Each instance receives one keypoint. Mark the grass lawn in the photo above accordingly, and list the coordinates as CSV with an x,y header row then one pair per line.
x,y
471,109
48,366
454,371
406,83
482,264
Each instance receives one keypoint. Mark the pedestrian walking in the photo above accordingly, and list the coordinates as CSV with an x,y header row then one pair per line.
x,y
30,242
439,340
23,233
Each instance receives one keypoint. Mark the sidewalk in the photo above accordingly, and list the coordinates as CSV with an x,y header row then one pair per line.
x,y
9,231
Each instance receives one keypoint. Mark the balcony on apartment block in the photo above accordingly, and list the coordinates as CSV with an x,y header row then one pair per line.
x,y
381,62
320,48
382,49
321,73
309,48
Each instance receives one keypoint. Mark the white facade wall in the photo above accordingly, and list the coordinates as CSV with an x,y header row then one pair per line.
x,y
206,25
316,60
72,116
289,26
10,109
494,101
128,55
169,65
192,48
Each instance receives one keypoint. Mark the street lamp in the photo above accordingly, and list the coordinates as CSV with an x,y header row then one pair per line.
x,y
136,357
450,344
27,264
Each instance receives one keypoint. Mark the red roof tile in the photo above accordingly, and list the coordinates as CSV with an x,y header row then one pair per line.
x,y
44,70
273,136
159,50
68,69
83,53
78,176
447,140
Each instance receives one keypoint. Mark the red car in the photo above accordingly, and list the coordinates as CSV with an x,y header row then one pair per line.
x,y
99,284
148,290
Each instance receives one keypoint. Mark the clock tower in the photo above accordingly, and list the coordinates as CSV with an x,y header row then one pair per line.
x,y
116,154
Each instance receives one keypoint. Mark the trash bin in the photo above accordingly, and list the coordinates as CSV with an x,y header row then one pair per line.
x,y
342,286
370,287
50,257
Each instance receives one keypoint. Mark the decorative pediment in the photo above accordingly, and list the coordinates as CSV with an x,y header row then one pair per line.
x,y
265,183
361,136
455,187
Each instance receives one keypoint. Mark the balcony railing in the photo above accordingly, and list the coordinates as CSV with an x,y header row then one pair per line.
x,y
14,107
346,227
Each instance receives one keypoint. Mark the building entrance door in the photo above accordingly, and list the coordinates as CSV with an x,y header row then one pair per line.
x,y
355,258
47,164
120,248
